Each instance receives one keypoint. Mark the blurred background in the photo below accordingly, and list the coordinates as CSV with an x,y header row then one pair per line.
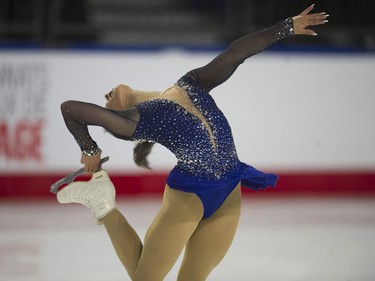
x,y
67,23
51,51
303,109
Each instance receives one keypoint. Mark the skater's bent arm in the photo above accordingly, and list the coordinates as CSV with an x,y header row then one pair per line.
x,y
224,65
79,115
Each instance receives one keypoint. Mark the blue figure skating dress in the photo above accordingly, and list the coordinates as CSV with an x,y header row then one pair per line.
x,y
207,162
191,126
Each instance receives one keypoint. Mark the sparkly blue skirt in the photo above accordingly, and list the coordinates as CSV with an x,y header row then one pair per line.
x,y
257,180
246,174
213,193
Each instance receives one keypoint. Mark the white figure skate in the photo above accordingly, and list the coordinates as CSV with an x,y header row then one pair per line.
x,y
98,194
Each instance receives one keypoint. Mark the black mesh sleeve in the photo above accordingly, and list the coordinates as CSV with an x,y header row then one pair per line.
x,y
224,65
79,115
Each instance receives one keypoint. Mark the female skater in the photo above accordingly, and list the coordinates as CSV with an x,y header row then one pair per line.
x,y
202,197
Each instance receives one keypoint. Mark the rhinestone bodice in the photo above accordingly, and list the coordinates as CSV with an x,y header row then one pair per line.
x,y
204,147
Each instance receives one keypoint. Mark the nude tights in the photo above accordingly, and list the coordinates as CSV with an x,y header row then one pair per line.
x,y
178,224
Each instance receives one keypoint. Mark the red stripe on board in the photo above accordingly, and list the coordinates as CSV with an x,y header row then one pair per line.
x,y
307,183
327,182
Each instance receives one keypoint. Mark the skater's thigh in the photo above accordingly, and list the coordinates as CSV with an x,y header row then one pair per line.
x,y
168,233
211,240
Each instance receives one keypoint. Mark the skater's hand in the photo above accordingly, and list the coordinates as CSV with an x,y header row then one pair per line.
x,y
91,163
304,20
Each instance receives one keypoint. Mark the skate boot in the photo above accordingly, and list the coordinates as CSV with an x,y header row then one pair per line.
x,y
98,194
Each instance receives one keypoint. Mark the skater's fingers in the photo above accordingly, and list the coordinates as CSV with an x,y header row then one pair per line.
x,y
91,163
307,10
89,169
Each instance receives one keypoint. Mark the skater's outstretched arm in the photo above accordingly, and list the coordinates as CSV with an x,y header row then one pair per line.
x,y
223,66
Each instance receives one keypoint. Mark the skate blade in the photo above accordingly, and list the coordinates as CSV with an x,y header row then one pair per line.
x,y
70,178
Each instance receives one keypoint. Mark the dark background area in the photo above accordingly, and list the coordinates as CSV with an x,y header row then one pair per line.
x,y
194,23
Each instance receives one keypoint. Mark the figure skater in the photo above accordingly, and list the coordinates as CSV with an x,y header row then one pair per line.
x,y
202,198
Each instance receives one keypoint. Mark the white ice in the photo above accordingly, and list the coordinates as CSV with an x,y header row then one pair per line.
x,y
279,238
